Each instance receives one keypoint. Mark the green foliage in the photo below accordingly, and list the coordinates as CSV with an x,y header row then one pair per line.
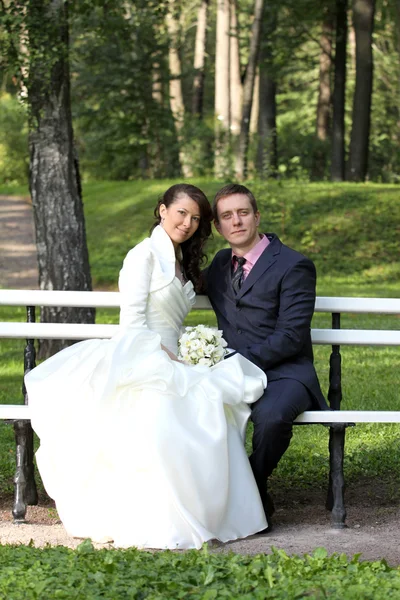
x,y
385,116
119,49
121,129
51,573
14,159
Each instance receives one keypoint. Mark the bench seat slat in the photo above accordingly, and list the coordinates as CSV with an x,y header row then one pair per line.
x,y
349,416
12,411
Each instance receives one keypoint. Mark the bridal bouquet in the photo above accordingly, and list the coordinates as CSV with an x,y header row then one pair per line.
x,y
201,345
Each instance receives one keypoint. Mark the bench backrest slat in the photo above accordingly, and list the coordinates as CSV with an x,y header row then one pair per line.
x,y
112,300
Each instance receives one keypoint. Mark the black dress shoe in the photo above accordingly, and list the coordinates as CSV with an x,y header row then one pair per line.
x,y
269,509
269,505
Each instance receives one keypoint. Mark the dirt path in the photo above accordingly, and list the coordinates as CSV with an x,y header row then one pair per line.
x,y
372,531
18,265
301,522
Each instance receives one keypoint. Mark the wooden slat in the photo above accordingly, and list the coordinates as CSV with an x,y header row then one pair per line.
x,y
11,411
76,331
349,416
60,331
59,298
356,337
388,306
112,299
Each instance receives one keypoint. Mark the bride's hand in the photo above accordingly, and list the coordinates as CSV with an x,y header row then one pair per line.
x,y
171,354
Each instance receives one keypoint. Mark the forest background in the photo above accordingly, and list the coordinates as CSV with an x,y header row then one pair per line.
x,y
225,88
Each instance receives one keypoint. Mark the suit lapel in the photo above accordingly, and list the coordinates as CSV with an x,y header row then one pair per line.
x,y
224,295
266,260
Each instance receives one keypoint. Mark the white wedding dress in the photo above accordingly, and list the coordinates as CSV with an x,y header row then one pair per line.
x,y
138,448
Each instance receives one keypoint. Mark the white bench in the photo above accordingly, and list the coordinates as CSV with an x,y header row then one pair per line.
x,y
25,489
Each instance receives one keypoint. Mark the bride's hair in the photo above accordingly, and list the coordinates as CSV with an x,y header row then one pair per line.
x,y
192,249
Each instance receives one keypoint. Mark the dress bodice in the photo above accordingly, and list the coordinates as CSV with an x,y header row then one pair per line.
x,y
152,297
167,308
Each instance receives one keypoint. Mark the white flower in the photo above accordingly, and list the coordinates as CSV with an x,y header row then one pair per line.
x,y
201,345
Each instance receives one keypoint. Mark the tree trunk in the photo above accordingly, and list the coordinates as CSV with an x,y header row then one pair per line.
x,y
339,94
199,60
363,17
235,82
236,90
397,37
175,85
255,107
222,96
352,46
157,90
54,172
324,98
267,150
248,88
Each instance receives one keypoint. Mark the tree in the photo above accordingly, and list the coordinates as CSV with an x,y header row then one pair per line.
x,y
199,59
324,96
339,94
248,88
175,85
267,148
222,85
235,79
363,19
54,171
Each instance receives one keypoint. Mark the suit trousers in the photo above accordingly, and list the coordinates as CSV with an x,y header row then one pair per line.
x,y
273,415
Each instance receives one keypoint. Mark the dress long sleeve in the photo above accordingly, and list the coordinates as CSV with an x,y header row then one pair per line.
x,y
134,285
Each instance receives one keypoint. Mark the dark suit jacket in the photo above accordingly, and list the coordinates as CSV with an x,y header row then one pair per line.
x,y
268,321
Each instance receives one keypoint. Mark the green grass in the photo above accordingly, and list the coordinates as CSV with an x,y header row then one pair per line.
x,y
351,231
86,574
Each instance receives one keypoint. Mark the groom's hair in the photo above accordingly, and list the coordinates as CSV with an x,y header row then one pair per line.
x,y
229,190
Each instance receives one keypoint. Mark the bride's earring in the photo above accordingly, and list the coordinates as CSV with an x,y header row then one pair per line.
x,y
162,221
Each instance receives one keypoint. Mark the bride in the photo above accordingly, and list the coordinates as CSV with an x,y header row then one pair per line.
x,y
135,446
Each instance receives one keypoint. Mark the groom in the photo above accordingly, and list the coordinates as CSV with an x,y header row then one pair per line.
x,y
263,294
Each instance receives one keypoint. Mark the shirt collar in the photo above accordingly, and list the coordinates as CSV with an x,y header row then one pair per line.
x,y
252,255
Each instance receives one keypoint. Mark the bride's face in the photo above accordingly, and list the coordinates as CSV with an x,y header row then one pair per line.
x,y
180,219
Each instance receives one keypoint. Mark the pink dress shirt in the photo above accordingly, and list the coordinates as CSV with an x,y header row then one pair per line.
x,y
252,255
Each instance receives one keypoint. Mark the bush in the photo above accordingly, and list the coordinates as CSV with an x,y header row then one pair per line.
x,y
88,574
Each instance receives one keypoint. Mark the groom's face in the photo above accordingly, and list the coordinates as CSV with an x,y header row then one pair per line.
x,y
237,222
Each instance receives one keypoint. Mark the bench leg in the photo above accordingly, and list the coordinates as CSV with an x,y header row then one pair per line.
x,y
25,491
335,497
